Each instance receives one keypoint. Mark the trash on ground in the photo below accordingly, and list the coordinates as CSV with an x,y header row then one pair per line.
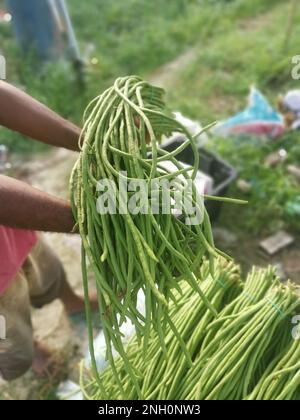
x,y
4,159
5,17
280,272
289,106
294,170
244,186
69,391
275,158
277,242
259,119
193,127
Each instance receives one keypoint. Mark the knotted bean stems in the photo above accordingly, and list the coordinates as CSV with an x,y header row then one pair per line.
x,y
129,253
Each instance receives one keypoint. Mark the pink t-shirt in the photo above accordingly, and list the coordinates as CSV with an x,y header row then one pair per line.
x,y
15,246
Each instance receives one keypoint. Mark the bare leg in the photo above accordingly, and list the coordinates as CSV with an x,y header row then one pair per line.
x,y
72,302
42,359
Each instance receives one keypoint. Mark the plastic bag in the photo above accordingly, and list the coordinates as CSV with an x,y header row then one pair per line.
x,y
259,119
193,127
69,390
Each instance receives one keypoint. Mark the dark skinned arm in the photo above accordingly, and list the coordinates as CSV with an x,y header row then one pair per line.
x,y
24,207
19,112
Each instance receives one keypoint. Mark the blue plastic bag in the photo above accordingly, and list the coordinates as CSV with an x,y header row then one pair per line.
x,y
259,119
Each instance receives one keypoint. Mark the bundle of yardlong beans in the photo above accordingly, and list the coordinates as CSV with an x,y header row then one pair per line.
x,y
247,352
158,373
133,252
229,361
281,379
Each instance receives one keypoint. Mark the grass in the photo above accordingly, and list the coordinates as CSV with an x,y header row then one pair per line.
x,y
273,192
132,36
215,85
138,36
251,52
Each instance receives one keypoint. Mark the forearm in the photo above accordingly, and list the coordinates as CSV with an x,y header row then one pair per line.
x,y
24,207
19,112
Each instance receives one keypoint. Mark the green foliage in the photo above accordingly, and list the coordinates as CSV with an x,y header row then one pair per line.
x,y
272,189
139,35
215,85
132,36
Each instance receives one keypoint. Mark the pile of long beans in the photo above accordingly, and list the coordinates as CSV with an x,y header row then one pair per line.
x,y
132,252
247,352
230,361
281,379
158,371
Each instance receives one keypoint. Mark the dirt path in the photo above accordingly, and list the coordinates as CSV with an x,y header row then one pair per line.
x,y
164,75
